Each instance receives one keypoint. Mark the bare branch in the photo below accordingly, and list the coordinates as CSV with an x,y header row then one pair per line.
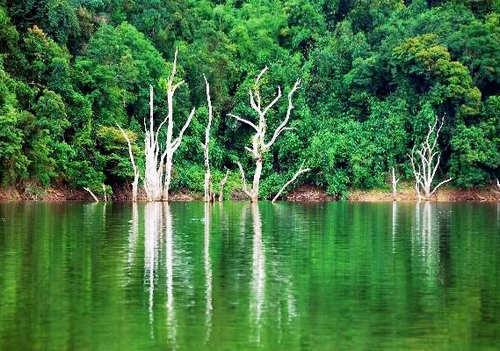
x,y
96,199
442,183
298,173
222,183
243,180
177,141
244,121
283,124
272,103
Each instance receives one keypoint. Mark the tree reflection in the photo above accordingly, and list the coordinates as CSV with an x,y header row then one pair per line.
x,y
208,271
258,271
152,229
132,236
169,267
427,239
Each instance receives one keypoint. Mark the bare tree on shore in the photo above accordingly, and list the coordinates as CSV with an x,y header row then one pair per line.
x,y
425,159
259,144
159,161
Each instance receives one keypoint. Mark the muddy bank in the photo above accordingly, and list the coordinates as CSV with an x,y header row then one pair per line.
x,y
304,193
64,193
307,193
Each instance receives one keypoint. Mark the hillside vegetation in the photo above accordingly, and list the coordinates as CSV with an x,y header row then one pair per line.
x,y
373,75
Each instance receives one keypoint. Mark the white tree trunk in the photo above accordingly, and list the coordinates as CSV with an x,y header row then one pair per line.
x,y
96,199
153,166
425,162
394,184
222,183
295,176
207,181
259,146
135,182
159,163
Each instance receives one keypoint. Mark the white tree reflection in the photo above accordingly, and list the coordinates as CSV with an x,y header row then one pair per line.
x,y
258,271
427,239
152,229
394,224
208,271
132,236
169,267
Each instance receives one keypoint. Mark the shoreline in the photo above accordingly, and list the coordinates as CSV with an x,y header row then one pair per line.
x,y
304,194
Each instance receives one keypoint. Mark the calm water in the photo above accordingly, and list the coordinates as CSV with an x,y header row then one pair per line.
x,y
232,276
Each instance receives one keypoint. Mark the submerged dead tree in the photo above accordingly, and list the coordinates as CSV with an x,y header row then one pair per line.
x,y
135,182
159,161
259,144
207,181
394,183
222,184
425,159
295,176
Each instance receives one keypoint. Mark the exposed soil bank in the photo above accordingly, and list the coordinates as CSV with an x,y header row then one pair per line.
x,y
309,193
304,193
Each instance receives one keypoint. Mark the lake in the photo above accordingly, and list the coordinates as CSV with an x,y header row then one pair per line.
x,y
236,276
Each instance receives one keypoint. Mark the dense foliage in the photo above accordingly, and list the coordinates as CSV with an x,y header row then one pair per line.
x,y
374,73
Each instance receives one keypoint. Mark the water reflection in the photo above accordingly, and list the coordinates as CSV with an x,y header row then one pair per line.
x,y
427,238
258,282
132,236
394,224
208,270
169,266
152,229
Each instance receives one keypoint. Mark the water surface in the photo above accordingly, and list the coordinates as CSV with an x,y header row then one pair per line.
x,y
232,276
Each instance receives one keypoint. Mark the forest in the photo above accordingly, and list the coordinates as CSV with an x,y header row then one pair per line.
x,y
373,75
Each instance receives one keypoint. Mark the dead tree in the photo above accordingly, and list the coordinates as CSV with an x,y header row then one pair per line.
x,y
222,183
259,144
295,176
425,161
153,173
171,143
207,181
394,182
158,173
135,182
96,199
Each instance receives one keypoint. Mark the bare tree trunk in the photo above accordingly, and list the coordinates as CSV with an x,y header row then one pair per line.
x,y
394,184
425,164
154,166
104,192
171,143
256,180
159,163
207,187
96,199
222,183
295,176
259,146
135,182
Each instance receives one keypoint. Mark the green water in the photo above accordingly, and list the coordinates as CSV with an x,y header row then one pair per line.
x,y
232,276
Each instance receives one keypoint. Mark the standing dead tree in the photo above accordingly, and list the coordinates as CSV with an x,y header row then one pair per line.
x,y
96,199
135,182
207,181
171,143
222,184
425,161
158,163
259,144
295,176
394,183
